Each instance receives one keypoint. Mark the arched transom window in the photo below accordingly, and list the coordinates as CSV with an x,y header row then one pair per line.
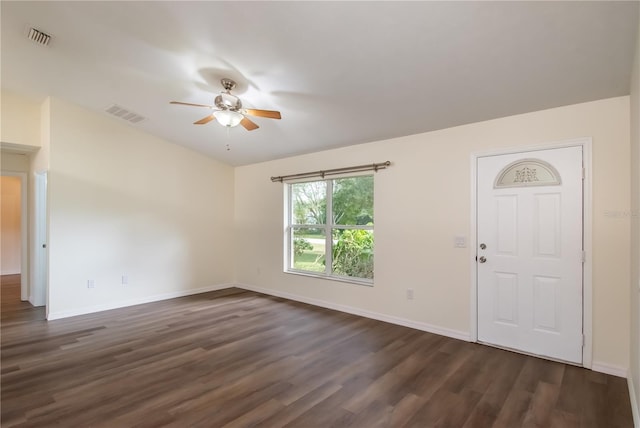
x,y
527,172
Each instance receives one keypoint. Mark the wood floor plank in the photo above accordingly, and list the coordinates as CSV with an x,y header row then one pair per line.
x,y
501,373
542,403
236,358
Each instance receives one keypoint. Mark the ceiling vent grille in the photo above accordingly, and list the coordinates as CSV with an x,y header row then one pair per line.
x,y
124,114
39,37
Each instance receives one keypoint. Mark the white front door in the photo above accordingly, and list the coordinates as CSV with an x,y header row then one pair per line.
x,y
530,258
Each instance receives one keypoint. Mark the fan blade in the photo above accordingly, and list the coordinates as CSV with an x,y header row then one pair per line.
x,y
248,124
190,104
263,113
205,120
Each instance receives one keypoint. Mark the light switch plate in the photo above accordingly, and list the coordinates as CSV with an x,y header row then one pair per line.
x,y
460,242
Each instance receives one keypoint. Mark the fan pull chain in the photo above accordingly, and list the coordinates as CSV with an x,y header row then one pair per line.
x,y
228,137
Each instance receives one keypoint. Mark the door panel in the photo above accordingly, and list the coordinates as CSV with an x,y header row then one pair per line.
x,y
546,234
545,304
506,298
530,277
507,224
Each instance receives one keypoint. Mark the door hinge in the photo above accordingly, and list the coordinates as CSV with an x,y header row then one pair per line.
x,y
583,256
584,173
584,341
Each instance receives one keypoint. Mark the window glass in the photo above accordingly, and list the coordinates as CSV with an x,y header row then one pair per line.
x,y
353,200
309,202
353,253
309,249
330,228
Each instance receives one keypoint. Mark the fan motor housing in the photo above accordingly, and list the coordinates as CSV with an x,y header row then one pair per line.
x,y
226,101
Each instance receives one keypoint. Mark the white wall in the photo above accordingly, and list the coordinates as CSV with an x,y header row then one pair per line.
x,y
122,202
16,120
10,230
126,203
14,162
423,200
635,229
25,149
20,138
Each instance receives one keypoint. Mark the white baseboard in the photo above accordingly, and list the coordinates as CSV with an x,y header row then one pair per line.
x,y
147,299
634,403
610,369
455,334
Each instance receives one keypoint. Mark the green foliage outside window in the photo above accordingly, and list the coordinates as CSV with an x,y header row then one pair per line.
x,y
300,245
353,254
350,226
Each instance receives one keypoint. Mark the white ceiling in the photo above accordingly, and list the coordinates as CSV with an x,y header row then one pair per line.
x,y
341,73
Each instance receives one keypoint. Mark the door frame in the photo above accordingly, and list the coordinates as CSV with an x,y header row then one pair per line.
x,y
40,285
587,223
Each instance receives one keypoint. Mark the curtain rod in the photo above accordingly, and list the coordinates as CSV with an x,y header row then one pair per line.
x,y
369,167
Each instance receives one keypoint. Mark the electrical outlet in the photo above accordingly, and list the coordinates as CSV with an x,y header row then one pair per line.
x,y
409,293
460,242
91,283
125,280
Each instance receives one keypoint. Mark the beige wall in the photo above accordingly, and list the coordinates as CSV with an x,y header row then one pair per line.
x,y
19,122
122,202
14,162
125,203
423,200
11,238
20,133
635,229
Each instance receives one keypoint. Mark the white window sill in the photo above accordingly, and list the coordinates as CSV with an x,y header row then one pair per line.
x,y
358,281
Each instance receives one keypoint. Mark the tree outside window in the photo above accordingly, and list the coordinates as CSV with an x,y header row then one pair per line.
x,y
341,247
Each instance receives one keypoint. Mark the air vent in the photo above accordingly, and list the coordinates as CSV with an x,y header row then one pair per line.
x,y
124,114
39,37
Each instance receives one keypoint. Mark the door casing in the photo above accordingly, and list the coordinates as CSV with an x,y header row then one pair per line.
x,y
586,144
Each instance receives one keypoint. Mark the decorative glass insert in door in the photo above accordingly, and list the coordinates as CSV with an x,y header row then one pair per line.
x,y
528,172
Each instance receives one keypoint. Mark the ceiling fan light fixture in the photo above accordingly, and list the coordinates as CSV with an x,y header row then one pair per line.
x,y
228,110
228,118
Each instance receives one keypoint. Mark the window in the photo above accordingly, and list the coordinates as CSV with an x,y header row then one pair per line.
x,y
330,228
528,172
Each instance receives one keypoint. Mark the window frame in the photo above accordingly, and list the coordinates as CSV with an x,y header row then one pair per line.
x,y
328,228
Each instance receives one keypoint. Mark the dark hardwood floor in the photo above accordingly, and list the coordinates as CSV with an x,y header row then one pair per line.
x,y
12,310
235,358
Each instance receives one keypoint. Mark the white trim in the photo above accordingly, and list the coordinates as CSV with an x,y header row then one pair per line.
x,y
39,289
609,369
147,299
587,242
24,230
334,277
587,310
20,149
455,334
634,403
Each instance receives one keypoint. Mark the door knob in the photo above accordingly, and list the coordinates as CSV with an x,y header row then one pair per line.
x,y
483,246
482,259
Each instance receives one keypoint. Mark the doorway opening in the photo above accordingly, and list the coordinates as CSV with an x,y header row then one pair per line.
x,y
13,226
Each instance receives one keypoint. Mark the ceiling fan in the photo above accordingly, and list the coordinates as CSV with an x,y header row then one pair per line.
x,y
229,111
